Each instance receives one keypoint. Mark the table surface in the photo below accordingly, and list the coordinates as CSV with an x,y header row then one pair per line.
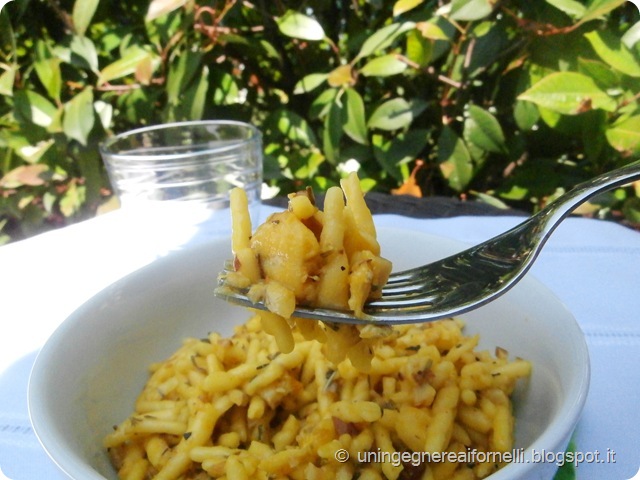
x,y
593,266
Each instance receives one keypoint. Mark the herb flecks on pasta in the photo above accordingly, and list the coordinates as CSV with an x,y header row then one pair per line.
x,y
238,408
306,256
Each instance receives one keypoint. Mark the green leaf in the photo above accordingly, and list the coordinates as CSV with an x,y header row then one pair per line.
x,y
226,91
269,50
29,152
402,6
597,8
455,161
515,192
4,238
124,66
624,135
490,200
48,71
297,25
73,198
181,73
332,133
196,96
295,128
483,130
613,52
432,30
470,10
158,8
396,113
593,134
309,82
310,169
631,36
419,48
442,47
83,11
354,121
572,8
90,165
399,150
526,115
384,66
56,122
105,113
486,50
83,52
568,93
322,103
79,116
604,76
383,38
7,36
35,108
6,81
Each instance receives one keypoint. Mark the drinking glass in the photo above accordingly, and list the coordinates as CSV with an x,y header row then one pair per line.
x,y
185,166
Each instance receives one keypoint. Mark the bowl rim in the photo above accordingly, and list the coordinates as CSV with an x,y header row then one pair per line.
x,y
69,462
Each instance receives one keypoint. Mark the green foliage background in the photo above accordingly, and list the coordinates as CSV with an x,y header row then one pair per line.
x,y
507,102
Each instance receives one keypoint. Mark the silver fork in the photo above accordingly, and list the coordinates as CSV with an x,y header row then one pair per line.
x,y
466,280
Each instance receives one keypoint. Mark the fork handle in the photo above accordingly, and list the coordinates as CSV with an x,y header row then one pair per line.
x,y
527,238
582,192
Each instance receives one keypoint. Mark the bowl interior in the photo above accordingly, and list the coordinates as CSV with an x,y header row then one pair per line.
x,y
87,376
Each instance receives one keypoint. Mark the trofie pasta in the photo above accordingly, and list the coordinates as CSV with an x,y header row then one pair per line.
x,y
238,408
284,398
306,256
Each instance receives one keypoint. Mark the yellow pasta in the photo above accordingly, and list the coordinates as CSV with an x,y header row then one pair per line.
x,y
305,256
291,415
290,398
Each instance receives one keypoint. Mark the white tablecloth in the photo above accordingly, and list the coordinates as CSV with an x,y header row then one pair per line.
x,y
592,266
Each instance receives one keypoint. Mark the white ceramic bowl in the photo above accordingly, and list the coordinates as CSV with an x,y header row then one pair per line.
x,y
87,376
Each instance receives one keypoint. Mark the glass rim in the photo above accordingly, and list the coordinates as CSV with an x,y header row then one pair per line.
x,y
104,147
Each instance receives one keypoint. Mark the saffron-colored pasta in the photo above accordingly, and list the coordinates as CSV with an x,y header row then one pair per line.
x,y
306,256
255,412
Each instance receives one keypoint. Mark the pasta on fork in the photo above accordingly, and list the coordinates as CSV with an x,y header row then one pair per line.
x,y
305,256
